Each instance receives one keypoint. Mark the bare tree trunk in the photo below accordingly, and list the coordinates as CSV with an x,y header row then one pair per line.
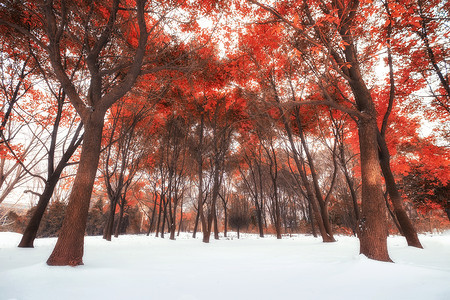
x,y
200,177
32,228
323,205
54,175
119,222
152,221
110,221
216,226
197,217
181,218
225,221
158,224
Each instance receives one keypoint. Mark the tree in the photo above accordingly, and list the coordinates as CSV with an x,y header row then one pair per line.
x,y
95,34
239,216
336,30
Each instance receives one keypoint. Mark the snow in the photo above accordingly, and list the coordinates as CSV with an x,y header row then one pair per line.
x,y
297,267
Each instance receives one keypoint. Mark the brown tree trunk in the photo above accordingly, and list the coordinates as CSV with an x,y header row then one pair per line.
x,y
119,222
181,218
158,223
315,181
110,221
70,245
216,226
152,221
299,161
32,228
372,224
200,179
225,221
405,223
197,217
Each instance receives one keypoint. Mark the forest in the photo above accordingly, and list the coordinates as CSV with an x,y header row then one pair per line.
x,y
325,117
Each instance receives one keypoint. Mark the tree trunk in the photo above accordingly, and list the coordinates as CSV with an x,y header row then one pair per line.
x,y
216,226
119,222
405,223
225,221
372,224
70,245
315,180
158,224
152,221
110,222
299,162
54,175
181,218
200,178
197,217
311,219
32,228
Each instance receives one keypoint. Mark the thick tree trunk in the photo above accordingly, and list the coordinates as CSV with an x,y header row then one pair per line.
x,y
372,224
70,245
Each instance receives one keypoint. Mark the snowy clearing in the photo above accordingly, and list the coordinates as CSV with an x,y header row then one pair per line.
x,y
299,267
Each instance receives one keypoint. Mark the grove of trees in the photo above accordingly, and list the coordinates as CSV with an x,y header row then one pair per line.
x,y
318,116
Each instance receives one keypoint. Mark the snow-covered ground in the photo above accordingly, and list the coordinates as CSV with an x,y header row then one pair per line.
x,y
300,267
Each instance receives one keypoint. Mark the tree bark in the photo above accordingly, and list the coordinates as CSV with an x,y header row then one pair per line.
x,y
110,221
405,223
70,245
32,228
372,224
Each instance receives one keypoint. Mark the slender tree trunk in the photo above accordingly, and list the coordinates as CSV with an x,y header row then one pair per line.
x,y
181,218
200,179
110,221
216,226
119,222
32,228
315,181
70,245
197,217
152,221
405,223
225,221
299,161
164,217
